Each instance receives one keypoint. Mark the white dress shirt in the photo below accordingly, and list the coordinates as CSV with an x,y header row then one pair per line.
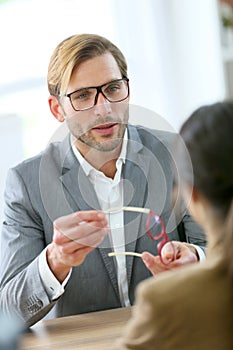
x,y
110,195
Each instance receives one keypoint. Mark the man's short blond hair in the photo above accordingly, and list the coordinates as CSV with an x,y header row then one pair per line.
x,y
74,50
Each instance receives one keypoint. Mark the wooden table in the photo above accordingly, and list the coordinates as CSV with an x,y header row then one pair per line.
x,y
95,330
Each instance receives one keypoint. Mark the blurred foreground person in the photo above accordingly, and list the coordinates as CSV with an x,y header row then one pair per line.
x,y
193,307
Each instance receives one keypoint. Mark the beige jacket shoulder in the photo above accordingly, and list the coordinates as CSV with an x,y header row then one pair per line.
x,y
187,309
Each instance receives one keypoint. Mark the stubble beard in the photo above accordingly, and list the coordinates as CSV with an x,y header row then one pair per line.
x,y
86,137
105,145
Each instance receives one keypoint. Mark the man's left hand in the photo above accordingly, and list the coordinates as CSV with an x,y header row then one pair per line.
x,y
184,254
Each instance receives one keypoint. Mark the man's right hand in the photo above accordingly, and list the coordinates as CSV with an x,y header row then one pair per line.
x,y
75,235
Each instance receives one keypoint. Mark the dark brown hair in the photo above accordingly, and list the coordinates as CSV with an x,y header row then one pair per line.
x,y
207,134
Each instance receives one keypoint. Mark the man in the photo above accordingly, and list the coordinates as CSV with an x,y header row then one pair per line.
x,y
59,226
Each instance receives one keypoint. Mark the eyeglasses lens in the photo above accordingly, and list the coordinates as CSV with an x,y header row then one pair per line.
x,y
156,231
155,226
114,91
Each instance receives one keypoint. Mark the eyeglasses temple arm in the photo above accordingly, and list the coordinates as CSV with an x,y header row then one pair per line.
x,y
134,209
125,253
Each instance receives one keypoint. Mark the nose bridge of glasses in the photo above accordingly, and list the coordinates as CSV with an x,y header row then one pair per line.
x,y
100,97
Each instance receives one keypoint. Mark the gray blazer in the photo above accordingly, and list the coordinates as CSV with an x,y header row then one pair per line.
x,y
53,184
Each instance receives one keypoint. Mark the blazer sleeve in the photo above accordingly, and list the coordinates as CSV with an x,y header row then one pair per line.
x,y
189,231
22,240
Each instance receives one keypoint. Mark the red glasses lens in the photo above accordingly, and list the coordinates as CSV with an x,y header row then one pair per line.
x,y
154,226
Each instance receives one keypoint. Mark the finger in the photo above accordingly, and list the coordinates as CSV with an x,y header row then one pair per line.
x,y
90,215
148,259
184,255
78,231
171,251
153,263
77,257
78,217
93,240
83,229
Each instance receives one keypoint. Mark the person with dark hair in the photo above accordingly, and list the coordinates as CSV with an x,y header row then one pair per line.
x,y
192,308
60,225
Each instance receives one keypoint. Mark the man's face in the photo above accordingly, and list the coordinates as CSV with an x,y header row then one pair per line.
x,y
101,127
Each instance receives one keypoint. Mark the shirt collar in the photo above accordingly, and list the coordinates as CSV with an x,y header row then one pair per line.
x,y
87,167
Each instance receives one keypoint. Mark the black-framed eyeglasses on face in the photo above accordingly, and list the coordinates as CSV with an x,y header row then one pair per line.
x,y
155,229
86,98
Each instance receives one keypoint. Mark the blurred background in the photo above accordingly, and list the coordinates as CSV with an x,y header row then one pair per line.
x,y
179,53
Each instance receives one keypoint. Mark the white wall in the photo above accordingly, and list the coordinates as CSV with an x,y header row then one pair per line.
x,y
174,53
196,54
172,46
11,148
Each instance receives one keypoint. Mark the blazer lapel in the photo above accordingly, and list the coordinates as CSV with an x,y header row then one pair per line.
x,y
80,189
76,183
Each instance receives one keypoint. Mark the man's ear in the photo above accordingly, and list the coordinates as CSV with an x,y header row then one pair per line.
x,y
56,108
195,195
198,207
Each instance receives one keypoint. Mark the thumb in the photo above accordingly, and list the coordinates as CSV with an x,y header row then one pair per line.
x,y
148,259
